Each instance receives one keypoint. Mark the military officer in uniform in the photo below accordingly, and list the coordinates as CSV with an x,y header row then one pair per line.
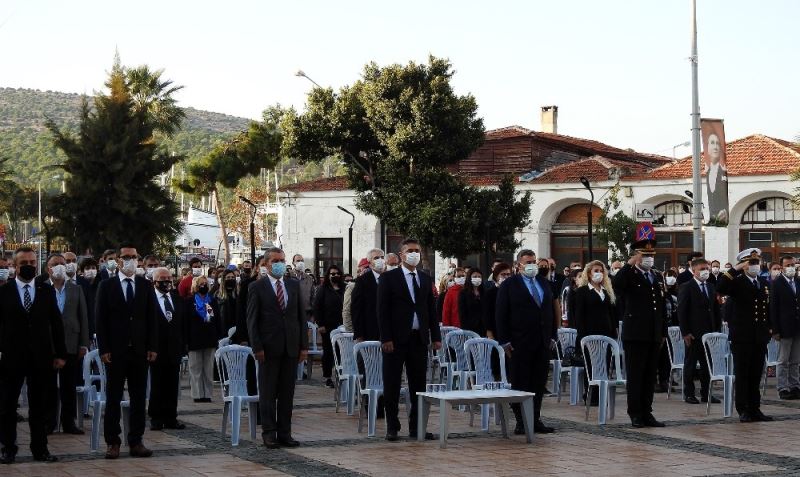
x,y
643,325
749,330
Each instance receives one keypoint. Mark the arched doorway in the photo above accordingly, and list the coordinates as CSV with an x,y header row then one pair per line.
x,y
570,237
673,224
773,225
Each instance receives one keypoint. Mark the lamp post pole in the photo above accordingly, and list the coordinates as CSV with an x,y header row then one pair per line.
x,y
697,211
588,186
349,239
252,228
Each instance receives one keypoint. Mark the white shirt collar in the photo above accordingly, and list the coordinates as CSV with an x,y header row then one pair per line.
x,y
272,280
699,283
21,284
122,277
377,275
408,272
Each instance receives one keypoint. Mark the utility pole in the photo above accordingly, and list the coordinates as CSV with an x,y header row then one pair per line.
x,y
697,200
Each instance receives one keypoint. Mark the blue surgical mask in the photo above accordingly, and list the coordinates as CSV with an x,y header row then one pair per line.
x,y
278,269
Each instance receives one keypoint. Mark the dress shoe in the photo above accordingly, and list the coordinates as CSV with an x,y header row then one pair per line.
x,y
175,425
73,429
786,394
519,430
7,456
156,426
139,450
691,400
112,452
270,442
44,456
329,383
746,417
539,427
760,416
198,400
428,436
796,393
205,400
651,421
714,400
637,422
391,436
288,442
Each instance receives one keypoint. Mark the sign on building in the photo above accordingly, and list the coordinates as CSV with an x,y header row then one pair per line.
x,y
644,213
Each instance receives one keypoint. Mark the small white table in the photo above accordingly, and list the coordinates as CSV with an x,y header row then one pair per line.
x,y
501,398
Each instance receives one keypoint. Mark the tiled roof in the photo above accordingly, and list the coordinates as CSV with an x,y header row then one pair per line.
x,y
507,132
595,168
318,185
752,155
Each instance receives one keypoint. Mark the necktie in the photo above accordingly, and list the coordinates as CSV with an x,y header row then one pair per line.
x,y
755,284
650,277
794,289
703,287
26,300
415,286
129,291
279,292
168,307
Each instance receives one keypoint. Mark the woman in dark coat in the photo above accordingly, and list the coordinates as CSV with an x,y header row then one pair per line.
x,y
470,303
501,272
203,332
328,315
227,295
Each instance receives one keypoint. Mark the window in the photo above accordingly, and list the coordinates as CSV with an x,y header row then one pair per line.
x,y
771,211
329,251
675,213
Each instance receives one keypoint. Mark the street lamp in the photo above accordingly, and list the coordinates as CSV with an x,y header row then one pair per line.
x,y
586,184
252,228
302,74
40,225
349,238
683,144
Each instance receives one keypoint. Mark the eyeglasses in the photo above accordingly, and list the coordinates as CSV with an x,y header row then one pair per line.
x,y
334,274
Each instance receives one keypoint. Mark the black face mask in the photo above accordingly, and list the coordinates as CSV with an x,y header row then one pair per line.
x,y
544,271
164,285
27,272
230,284
247,271
202,289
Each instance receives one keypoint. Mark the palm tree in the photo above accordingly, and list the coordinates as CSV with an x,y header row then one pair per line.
x,y
152,94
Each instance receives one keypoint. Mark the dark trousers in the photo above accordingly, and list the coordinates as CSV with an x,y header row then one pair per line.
x,y
62,388
664,366
164,381
10,386
327,354
276,379
414,355
748,364
529,373
641,361
133,369
695,354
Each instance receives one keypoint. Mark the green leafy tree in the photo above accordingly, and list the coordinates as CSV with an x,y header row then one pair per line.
x,y
111,164
154,96
615,230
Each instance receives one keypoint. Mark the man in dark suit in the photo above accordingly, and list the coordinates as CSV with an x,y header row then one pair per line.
x,y
644,326
277,327
108,264
524,317
785,316
127,336
31,346
749,331
164,377
408,324
698,314
72,305
364,306
687,274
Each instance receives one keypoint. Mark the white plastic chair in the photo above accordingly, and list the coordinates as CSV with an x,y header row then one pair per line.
x,y
717,350
771,361
596,348
232,365
125,407
98,398
372,357
725,329
479,358
621,350
314,350
567,338
223,342
677,355
440,360
346,371
460,367
87,393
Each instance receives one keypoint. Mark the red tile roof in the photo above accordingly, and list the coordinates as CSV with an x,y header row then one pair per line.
x,y
595,168
749,156
318,185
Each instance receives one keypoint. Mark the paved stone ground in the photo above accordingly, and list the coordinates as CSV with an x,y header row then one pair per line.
x,y
691,444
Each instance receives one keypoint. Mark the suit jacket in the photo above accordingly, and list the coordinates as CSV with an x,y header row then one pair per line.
x,y
698,314
272,330
328,306
784,307
306,291
749,321
201,334
171,334
242,333
645,316
90,293
592,315
470,311
76,319
364,308
119,325
396,308
489,307
685,276
555,283
523,320
30,338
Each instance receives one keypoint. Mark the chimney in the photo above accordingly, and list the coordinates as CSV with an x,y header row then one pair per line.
x,y
550,119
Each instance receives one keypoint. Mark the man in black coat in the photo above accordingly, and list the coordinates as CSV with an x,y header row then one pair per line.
x,y
785,316
127,336
749,330
31,346
164,371
407,323
524,317
364,306
687,274
644,328
278,334
698,314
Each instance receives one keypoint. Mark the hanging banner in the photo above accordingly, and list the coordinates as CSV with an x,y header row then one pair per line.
x,y
715,170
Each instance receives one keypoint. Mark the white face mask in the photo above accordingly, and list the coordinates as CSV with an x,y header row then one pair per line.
x,y
530,270
671,281
500,280
389,268
90,273
111,265
71,268
613,271
790,272
262,271
648,262
238,280
715,270
379,265
412,258
140,271
460,281
753,270
476,282
11,272
3,274
703,276
597,277
725,270
196,272
299,266
211,282
129,267
774,274
59,272
148,273
450,283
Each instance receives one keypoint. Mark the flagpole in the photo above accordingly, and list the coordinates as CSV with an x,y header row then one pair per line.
x,y
697,200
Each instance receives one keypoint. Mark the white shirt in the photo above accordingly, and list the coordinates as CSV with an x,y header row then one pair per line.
x,y
599,291
701,284
407,273
713,170
122,278
376,274
273,281
161,298
21,290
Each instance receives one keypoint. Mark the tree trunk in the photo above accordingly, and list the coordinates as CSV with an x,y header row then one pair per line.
x,y
221,222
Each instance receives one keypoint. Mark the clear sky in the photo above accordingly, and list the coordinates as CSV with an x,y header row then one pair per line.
x,y
617,69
